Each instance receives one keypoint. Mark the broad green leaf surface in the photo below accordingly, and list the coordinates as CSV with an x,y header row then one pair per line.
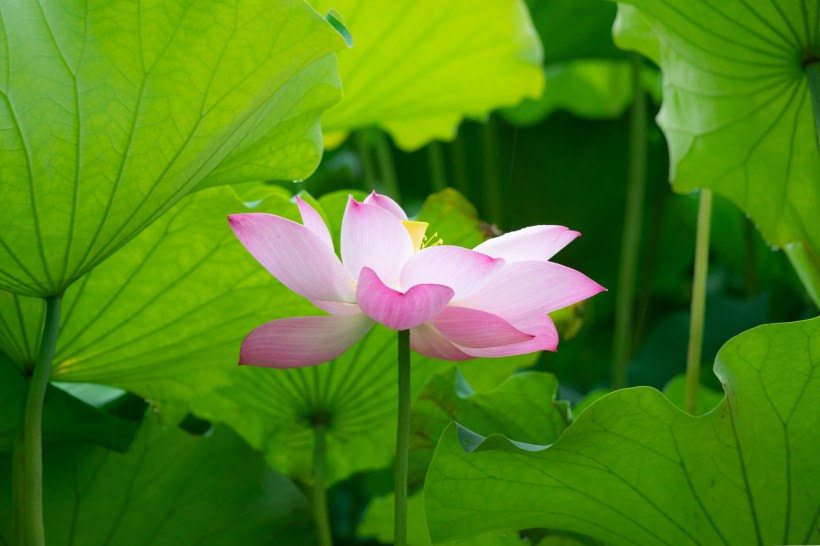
x,y
113,111
419,66
634,469
737,109
165,316
275,409
171,489
522,408
377,523
65,418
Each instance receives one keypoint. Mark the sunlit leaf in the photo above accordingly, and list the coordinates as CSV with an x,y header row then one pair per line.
x,y
634,469
418,67
522,408
113,111
164,317
737,111
171,489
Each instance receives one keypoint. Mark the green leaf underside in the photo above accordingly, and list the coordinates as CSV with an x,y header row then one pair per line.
x,y
419,67
377,523
112,112
355,394
523,407
737,110
65,417
171,488
164,317
633,469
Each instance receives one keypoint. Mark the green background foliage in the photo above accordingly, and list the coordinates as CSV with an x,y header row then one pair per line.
x,y
131,131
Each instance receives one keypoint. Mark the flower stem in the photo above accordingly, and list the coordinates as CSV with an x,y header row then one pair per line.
x,y
387,168
33,425
320,515
402,440
438,173
693,357
813,75
630,241
18,491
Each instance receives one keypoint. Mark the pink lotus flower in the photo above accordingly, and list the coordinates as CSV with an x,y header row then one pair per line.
x,y
457,303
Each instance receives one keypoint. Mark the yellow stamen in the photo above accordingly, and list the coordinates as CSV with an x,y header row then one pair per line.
x,y
433,240
416,231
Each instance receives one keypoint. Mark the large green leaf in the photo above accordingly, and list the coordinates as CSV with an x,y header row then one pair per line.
x,y
737,111
523,407
113,111
634,469
419,66
164,317
65,417
171,489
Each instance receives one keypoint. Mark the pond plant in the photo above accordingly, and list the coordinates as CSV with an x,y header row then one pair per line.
x,y
187,186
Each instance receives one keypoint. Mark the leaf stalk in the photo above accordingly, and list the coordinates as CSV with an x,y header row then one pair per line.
x,y
33,425
698,310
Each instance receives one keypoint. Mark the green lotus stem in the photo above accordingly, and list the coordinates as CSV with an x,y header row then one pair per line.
x,y
492,181
33,425
813,75
438,174
402,440
387,168
806,263
18,491
631,239
693,356
320,514
368,171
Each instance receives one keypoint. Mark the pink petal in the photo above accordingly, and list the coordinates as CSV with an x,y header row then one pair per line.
x,y
313,221
337,309
302,341
545,339
373,237
396,310
474,328
428,341
524,289
538,243
462,269
386,203
295,255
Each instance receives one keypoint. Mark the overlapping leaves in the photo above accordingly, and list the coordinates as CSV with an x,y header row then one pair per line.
x,y
113,111
633,469
163,317
171,488
737,110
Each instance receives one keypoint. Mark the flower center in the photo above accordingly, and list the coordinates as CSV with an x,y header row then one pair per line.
x,y
417,232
